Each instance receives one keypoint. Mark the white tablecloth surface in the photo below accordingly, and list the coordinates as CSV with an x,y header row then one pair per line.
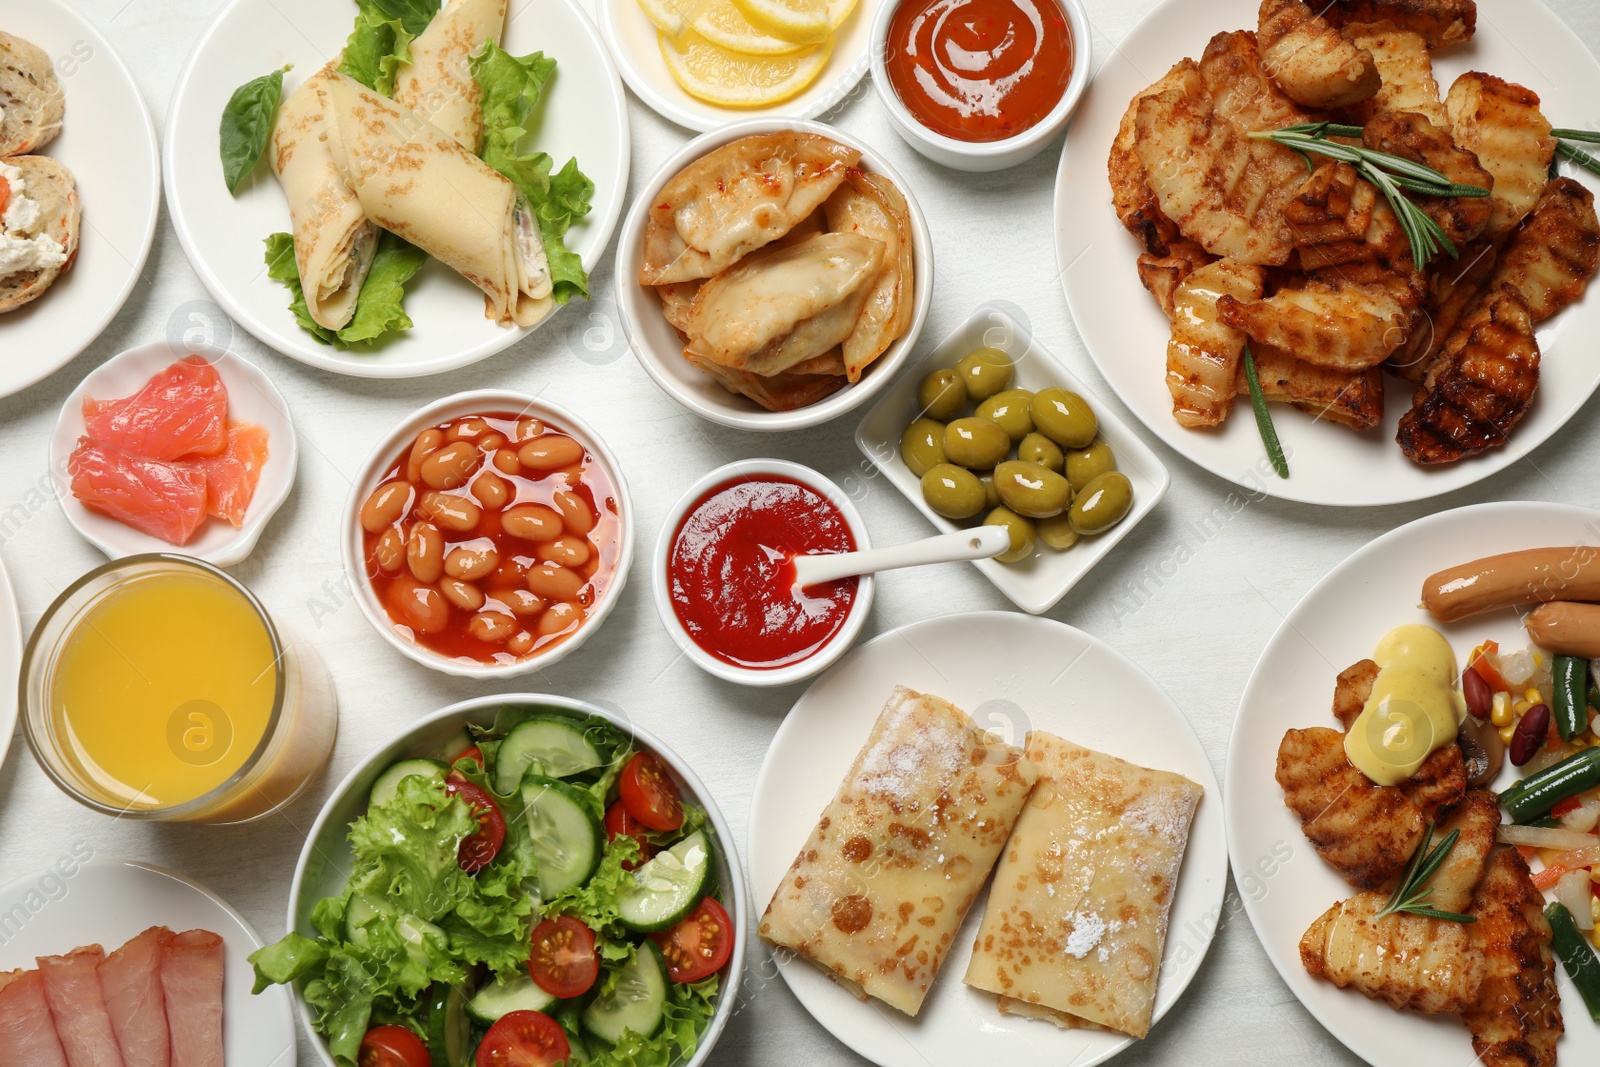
x,y
1192,594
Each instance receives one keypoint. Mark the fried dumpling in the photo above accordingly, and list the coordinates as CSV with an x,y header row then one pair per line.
x,y
776,392
737,198
870,205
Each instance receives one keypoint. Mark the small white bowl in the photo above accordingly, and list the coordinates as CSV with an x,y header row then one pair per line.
x,y
478,402
657,345
324,865
981,156
818,661
251,398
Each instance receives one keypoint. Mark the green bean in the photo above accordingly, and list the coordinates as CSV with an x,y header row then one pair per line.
x,y
1576,956
1571,695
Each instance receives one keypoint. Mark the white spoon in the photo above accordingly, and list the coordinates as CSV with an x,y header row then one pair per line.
x,y
981,542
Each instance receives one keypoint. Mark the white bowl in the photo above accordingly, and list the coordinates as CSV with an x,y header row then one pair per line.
x,y
795,672
1038,582
251,398
324,864
477,402
657,346
985,155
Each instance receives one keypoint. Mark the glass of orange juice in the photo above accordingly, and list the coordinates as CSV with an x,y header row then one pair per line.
x,y
158,687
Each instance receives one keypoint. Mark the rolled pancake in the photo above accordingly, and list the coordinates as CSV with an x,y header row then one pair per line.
x,y
333,241
417,182
1077,917
880,888
438,82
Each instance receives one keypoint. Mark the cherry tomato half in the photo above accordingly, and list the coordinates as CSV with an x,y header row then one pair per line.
x,y
392,1046
472,753
524,1039
477,851
700,945
620,824
648,793
563,962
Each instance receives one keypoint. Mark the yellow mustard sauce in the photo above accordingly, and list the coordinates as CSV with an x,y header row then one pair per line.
x,y
1414,708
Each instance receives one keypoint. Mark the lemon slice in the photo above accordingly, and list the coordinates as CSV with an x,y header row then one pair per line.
x,y
729,79
801,21
838,11
719,22
671,17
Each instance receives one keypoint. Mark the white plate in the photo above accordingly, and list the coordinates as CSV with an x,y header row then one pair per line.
x,y
251,398
78,902
109,144
584,115
632,40
1126,333
10,660
1284,883
1037,583
1012,673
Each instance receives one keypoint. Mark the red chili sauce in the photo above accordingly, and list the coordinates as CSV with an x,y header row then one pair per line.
x,y
979,70
731,579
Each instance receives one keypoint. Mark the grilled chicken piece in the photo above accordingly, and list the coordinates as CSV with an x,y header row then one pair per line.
x,y
1516,1019
1409,962
1330,321
1415,137
1478,387
1406,69
1477,817
1439,783
1352,689
1349,398
1163,274
1555,251
1440,22
1500,123
1311,61
1203,354
1131,196
1454,285
1365,831
1339,219
1241,90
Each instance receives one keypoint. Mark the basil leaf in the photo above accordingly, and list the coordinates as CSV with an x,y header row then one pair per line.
x,y
247,126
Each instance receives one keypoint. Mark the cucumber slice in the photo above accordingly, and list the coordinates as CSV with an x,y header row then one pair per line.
x,y
636,1001
449,1027
557,744
454,745
361,910
507,993
667,888
567,838
388,783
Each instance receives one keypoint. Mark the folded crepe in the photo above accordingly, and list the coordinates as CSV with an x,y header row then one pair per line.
x,y
1077,917
418,182
333,241
880,887
438,83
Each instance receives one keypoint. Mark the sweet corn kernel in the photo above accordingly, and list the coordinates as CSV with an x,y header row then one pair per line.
x,y
1506,732
1594,909
1533,696
1520,707
1500,711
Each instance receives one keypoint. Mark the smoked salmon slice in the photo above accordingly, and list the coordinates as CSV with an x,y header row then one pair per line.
x,y
231,477
27,1032
72,989
164,500
130,979
182,411
191,979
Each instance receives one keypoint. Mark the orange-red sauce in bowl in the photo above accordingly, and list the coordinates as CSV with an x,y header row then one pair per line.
x,y
979,70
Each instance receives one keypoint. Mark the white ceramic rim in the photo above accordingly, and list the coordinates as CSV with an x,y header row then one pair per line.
x,y
794,672
1025,144
477,401
737,894
10,663
628,289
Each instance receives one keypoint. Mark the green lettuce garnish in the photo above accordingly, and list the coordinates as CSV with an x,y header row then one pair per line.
x,y
381,40
379,308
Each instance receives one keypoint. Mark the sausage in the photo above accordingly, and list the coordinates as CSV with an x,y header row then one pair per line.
x,y
1532,576
1566,629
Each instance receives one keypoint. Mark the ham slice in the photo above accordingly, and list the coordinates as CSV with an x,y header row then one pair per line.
x,y
130,979
27,1033
191,979
72,989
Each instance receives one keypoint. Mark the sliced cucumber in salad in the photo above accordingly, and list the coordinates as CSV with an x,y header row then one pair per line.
x,y
635,1002
567,839
449,1035
388,783
668,886
554,744
507,993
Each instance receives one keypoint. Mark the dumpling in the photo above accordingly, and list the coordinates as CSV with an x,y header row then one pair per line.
x,y
779,392
736,199
870,205
781,308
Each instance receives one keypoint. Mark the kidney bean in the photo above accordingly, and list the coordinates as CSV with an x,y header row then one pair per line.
x,y
1480,698
1530,734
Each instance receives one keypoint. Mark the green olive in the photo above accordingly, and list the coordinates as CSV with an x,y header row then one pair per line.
x,y
1102,503
953,491
975,443
1021,530
1064,417
942,395
985,372
1037,448
1086,464
1009,408
922,445
1031,490
1057,531
991,495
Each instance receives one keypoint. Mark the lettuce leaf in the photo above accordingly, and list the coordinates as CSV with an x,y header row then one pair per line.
x,y
281,267
381,40
379,306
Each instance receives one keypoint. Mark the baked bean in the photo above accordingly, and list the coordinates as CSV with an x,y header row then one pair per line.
x,y
527,429
427,443
559,618
491,442
473,560
492,491
385,506
566,550
491,626
425,552
531,522
520,602
451,466
473,427
521,643
550,452
576,514
390,551
421,607
451,512
552,581
463,595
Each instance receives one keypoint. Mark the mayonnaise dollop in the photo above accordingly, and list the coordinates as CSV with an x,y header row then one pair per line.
x,y
1414,708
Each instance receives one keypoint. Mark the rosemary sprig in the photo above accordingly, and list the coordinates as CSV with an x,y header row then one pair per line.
x,y
1411,895
1574,154
1258,401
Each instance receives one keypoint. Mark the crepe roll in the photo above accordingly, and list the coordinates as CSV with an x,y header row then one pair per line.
x,y
416,181
333,241
880,887
438,82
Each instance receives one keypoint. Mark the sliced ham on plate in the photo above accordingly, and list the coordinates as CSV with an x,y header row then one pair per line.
x,y
27,1033
191,978
72,989
130,979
